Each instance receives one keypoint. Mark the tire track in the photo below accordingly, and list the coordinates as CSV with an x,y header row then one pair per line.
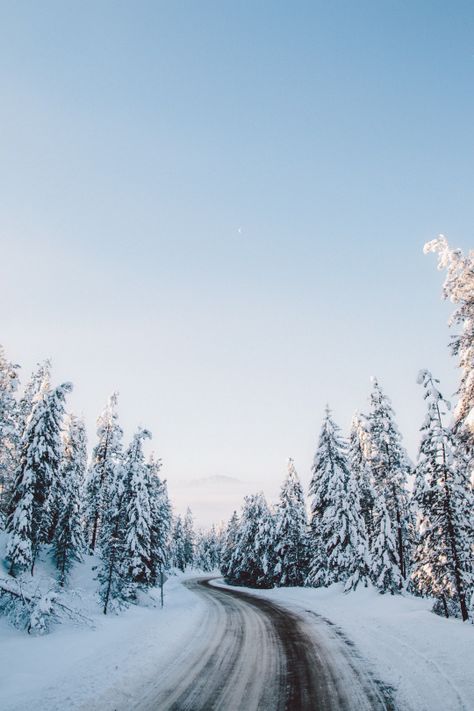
x,y
250,654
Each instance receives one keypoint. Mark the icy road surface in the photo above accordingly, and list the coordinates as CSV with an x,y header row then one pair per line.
x,y
251,654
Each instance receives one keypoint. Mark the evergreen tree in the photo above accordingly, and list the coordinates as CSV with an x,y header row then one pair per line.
x,y
69,536
178,545
207,551
105,459
29,524
342,538
442,492
291,532
161,519
330,464
253,560
111,575
9,439
390,468
36,387
188,532
385,564
459,288
229,546
213,549
355,546
137,516
359,465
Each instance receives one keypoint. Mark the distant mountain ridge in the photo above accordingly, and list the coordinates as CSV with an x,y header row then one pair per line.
x,y
215,479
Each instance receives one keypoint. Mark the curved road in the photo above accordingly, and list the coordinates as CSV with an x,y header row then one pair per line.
x,y
250,654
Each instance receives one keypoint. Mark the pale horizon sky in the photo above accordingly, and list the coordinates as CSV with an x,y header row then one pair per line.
x,y
219,209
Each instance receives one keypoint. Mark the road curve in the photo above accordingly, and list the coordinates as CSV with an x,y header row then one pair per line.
x,y
250,654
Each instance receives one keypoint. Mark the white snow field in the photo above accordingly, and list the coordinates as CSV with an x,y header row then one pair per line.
x,y
427,660
105,667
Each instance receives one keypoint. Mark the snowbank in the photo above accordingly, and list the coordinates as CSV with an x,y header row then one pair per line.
x,y
428,660
81,668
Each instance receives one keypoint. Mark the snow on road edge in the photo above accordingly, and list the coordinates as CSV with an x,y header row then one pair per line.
x,y
428,660
72,668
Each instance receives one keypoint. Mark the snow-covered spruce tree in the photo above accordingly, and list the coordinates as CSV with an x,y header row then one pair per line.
x,y
459,288
9,436
161,520
111,575
207,554
330,455
137,517
188,531
359,465
356,544
29,524
385,566
341,554
390,468
443,495
178,545
68,543
291,550
105,459
253,560
229,545
214,549
38,384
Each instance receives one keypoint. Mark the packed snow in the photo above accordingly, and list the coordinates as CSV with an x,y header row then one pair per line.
x,y
426,659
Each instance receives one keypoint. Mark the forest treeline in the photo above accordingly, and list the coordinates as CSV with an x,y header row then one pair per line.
x,y
366,522
373,515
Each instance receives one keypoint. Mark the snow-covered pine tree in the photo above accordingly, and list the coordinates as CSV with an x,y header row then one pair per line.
x,y
213,549
161,519
342,549
229,546
112,544
188,531
291,550
36,387
29,524
137,517
443,495
385,565
329,459
106,457
178,545
9,437
68,540
207,555
390,468
355,546
359,465
459,288
253,559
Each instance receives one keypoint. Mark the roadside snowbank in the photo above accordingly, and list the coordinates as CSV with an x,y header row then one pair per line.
x,y
428,660
81,668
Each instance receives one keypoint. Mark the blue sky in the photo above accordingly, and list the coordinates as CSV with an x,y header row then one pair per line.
x,y
219,209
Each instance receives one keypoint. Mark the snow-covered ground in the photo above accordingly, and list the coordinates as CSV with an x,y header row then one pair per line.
x,y
426,659
83,668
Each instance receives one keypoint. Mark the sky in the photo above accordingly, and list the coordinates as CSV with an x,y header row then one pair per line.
x,y
219,210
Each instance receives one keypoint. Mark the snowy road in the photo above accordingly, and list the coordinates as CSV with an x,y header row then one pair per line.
x,y
251,654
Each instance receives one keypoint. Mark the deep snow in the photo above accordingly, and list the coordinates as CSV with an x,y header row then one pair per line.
x,y
83,668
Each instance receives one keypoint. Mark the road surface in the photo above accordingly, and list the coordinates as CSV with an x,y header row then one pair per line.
x,y
250,654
